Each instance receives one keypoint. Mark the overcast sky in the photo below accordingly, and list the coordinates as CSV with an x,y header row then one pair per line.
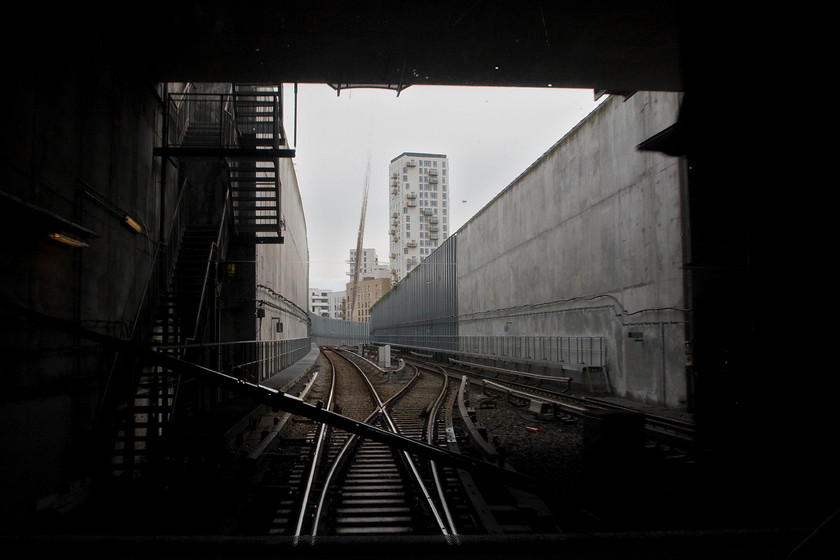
x,y
490,136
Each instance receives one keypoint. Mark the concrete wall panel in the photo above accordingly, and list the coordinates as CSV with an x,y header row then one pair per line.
x,y
587,242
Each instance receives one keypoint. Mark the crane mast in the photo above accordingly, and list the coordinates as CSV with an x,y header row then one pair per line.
x,y
359,242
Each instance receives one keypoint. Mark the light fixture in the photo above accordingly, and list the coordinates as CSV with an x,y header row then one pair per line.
x,y
67,239
132,223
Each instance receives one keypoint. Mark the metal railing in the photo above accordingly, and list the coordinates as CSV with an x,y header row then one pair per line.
x,y
203,120
211,115
252,360
564,351
205,314
157,281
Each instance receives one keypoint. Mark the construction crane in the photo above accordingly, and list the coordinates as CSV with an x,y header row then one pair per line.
x,y
359,241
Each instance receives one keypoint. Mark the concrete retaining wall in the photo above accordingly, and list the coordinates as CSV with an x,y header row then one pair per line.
x,y
282,269
587,242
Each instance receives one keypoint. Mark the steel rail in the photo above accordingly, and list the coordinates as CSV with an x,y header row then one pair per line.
x,y
445,530
430,437
316,455
338,463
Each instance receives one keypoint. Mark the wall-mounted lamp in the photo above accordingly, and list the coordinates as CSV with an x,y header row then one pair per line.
x,y
132,223
67,239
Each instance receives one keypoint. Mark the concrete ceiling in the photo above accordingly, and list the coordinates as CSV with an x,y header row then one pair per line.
x,y
610,46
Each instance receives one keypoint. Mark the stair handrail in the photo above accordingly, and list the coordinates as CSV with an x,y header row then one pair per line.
x,y
151,291
216,248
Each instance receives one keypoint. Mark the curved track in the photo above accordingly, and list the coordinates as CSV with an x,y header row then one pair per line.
x,y
316,480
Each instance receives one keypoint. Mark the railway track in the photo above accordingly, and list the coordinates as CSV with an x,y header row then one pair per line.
x,y
672,431
369,488
317,480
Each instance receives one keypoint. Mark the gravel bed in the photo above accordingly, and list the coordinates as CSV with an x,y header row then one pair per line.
x,y
547,449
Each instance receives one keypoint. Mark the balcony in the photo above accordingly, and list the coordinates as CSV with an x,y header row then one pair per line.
x,y
411,244
411,195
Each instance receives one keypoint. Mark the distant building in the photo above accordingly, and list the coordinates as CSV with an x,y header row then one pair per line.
x,y
367,293
369,264
336,302
319,302
419,208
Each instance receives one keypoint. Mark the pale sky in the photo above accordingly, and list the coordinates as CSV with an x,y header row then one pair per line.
x,y
490,135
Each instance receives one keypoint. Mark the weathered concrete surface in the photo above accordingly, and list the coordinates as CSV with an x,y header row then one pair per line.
x,y
588,242
283,269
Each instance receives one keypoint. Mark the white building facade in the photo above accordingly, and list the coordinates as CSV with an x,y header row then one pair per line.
x,y
337,301
319,302
369,264
418,209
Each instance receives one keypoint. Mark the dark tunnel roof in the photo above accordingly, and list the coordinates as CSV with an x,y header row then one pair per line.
x,y
607,46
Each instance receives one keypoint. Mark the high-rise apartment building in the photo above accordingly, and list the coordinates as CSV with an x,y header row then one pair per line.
x,y
419,208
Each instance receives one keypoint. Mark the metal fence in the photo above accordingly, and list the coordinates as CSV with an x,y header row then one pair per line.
x,y
558,351
337,332
253,360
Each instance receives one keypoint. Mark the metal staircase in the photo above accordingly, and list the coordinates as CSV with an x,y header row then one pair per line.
x,y
242,130
255,183
245,129
147,415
